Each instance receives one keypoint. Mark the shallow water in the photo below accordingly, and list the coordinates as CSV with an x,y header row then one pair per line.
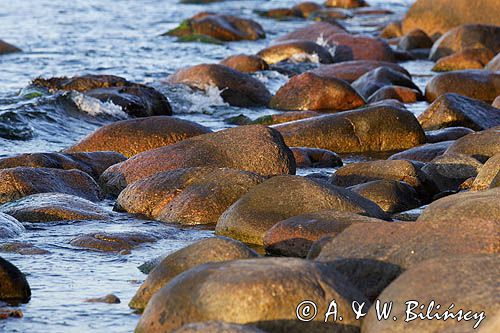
x,y
66,38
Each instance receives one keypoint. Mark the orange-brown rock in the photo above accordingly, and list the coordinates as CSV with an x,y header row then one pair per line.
x,y
296,51
358,47
466,59
312,32
245,63
350,71
346,3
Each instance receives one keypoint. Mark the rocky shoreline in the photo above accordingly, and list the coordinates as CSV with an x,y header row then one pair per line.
x,y
417,217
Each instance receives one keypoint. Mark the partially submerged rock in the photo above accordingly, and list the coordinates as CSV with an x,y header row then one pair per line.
x,y
109,299
423,153
215,249
359,47
350,71
346,3
480,145
8,48
447,134
312,32
15,288
9,226
296,51
246,63
381,77
112,242
315,158
237,88
133,136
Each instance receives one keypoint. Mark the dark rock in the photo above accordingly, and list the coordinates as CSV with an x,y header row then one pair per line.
x,y
245,63
15,288
415,39
112,242
237,88
381,77
312,32
350,71
217,327
402,94
215,249
447,134
133,136
423,153
480,145
8,48
315,158
110,299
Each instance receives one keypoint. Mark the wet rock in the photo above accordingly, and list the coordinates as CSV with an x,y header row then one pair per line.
x,y
415,39
494,64
187,196
305,9
9,226
466,59
488,174
217,326
392,30
16,183
245,63
285,117
299,51
221,27
22,248
330,14
135,99
477,84
455,110
349,47
381,77
215,249
47,207
294,237
446,280
449,171
15,288
370,129
281,283
110,299
112,241
10,313
423,153
439,16
251,148
315,158
280,13
282,197
470,36
237,88
447,134
496,102
133,136
350,71
312,32
346,3
311,92
93,163
402,94
397,170
8,48
390,195
480,145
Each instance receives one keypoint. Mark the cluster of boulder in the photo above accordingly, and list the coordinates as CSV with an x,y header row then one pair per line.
x,y
416,218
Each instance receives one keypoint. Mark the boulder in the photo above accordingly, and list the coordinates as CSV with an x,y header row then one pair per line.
x,y
494,64
397,170
15,288
294,236
370,129
108,299
282,197
237,88
135,99
466,59
439,16
251,148
47,207
487,174
450,110
350,71
8,48
133,136
381,77
447,134
415,39
391,195
478,84
221,27
399,93
245,63
346,3
295,51
187,196
480,145
469,36
16,183
437,283
393,30
496,102
214,249
305,9
315,158
349,47
112,242
9,226
279,283
449,171
309,91
93,163
285,117
313,32
22,248
423,153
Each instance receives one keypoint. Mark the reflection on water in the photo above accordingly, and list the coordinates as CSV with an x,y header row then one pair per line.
x,y
66,38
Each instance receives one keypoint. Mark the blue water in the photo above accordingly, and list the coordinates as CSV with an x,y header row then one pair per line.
x,y
66,38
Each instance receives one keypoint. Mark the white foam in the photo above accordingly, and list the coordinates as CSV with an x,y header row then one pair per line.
x,y
95,107
304,57
202,101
